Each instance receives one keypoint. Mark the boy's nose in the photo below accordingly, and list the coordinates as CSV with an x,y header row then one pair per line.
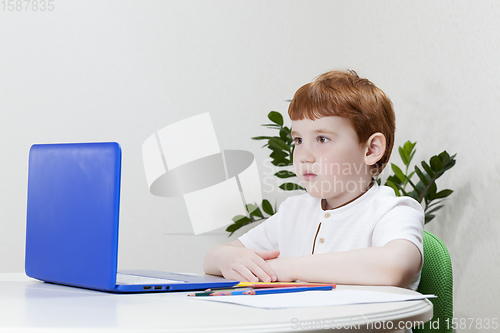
x,y
306,156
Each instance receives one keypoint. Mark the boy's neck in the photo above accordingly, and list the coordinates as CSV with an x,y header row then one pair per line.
x,y
334,204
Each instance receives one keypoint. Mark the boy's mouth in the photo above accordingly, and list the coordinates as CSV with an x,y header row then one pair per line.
x,y
308,175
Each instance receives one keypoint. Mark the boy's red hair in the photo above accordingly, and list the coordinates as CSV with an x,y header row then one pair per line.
x,y
345,94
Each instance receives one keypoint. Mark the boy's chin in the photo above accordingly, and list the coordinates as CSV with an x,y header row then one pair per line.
x,y
316,194
317,189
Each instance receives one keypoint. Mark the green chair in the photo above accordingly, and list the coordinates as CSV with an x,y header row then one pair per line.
x,y
437,279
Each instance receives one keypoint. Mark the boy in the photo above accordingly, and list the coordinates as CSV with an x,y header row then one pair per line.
x,y
346,229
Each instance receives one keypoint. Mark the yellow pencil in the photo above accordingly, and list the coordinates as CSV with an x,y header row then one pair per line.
x,y
282,284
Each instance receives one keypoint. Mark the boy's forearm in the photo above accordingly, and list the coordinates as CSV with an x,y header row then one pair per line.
x,y
363,267
369,266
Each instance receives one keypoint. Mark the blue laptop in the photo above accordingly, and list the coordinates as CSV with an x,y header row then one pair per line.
x,y
72,223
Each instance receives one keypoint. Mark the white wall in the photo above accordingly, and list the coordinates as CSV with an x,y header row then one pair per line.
x,y
120,70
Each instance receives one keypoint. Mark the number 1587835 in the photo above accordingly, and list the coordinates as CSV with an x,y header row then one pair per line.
x,y
27,5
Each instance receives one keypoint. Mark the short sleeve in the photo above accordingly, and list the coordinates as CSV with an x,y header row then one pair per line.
x,y
404,221
263,237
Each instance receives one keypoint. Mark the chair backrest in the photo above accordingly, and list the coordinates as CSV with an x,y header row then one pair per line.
x,y
437,279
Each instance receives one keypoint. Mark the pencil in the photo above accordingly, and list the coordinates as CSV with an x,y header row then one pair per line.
x,y
270,291
206,293
282,284
285,290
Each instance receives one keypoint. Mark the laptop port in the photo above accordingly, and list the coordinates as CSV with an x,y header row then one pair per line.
x,y
167,287
158,287
146,287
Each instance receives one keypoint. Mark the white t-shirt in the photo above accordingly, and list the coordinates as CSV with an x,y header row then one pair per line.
x,y
301,227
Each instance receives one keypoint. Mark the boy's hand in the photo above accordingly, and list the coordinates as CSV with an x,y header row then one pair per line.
x,y
243,264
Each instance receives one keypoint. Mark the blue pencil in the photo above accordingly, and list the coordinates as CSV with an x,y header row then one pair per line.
x,y
270,291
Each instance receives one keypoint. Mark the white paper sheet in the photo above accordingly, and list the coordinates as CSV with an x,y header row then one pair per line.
x,y
314,298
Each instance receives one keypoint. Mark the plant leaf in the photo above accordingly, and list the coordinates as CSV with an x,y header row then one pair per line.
x,y
450,164
285,174
408,146
254,210
419,188
444,157
232,228
285,136
261,137
278,154
397,171
443,194
395,180
291,187
431,193
432,204
420,175
413,194
435,209
276,117
278,127
404,156
427,169
394,187
281,162
429,217
241,219
266,206
410,158
436,164
279,144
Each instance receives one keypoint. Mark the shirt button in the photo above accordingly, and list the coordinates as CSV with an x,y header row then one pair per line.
x,y
327,215
321,240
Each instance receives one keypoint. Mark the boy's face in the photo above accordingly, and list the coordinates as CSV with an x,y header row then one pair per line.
x,y
328,159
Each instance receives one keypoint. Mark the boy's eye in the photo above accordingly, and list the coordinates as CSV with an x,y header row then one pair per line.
x,y
298,141
323,139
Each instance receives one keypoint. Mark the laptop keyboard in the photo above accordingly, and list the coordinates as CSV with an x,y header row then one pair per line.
x,y
136,279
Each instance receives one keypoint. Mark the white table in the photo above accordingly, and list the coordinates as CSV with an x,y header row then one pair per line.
x,y
27,305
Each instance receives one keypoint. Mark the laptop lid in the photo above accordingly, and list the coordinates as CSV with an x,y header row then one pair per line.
x,y
72,214
72,221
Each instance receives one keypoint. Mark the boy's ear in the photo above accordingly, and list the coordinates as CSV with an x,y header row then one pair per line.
x,y
374,148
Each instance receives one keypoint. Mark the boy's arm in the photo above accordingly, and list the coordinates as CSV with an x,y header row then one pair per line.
x,y
236,262
394,264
